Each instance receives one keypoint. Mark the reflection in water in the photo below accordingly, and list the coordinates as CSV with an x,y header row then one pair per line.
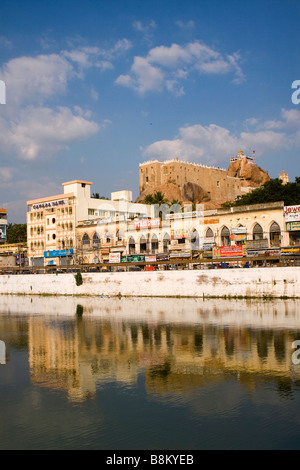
x,y
2,353
178,345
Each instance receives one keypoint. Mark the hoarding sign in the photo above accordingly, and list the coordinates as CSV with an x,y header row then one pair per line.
x,y
162,257
147,223
180,255
240,237
290,250
58,253
292,213
150,259
292,226
178,234
2,232
238,230
114,257
229,251
132,258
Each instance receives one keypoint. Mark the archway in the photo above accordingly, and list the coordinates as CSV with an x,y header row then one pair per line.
x,y
166,242
131,246
154,244
275,235
143,244
258,233
225,236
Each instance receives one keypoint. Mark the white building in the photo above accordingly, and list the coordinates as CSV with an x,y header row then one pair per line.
x,y
52,220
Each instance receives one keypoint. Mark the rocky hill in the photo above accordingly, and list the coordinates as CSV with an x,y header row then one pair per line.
x,y
252,176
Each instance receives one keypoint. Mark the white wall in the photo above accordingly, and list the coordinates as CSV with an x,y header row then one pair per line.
x,y
256,282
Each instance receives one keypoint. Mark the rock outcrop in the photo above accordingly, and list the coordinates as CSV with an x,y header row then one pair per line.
x,y
252,174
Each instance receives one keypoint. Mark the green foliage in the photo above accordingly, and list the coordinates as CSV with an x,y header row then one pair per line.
x,y
17,233
78,279
156,198
272,191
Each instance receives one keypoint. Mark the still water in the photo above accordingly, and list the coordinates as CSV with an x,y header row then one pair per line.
x,y
157,374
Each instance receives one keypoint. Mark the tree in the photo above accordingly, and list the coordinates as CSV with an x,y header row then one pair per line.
x,y
17,233
272,191
156,198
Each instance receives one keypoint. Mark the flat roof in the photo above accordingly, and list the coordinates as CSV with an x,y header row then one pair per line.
x,y
76,181
50,198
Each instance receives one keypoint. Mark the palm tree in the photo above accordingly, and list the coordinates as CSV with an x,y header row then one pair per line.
x,y
159,198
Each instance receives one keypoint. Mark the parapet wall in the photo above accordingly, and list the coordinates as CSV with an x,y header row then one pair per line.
x,y
256,282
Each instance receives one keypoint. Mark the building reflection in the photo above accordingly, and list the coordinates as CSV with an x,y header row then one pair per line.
x,y
82,353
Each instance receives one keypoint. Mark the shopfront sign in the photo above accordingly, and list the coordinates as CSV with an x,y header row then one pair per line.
x,y
147,223
50,204
292,213
114,257
238,230
58,253
3,232
292,226
133,259
162,257
229,251
290,250
211,221
150,259
178,234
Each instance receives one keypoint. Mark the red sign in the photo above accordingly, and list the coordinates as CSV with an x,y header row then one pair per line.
x,y
147,223
228,251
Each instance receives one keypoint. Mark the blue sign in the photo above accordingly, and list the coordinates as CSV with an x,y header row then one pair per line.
x,y
58,253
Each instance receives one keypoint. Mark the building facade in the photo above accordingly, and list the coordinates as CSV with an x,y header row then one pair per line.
x,y
253,228
52,220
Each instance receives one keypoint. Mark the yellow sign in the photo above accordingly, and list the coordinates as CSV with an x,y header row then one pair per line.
x,y
211,221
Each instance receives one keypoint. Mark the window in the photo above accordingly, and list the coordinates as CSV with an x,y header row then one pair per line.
x,y
225,236
131,245
166,242
143,244
209,233
258,233
91,212
195,240
275,233
86,240
154,244
96,240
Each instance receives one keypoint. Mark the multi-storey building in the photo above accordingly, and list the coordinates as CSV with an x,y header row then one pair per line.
x,y
52,220
257,227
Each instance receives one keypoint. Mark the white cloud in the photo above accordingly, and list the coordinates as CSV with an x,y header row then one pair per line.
x,y
213,144
164,63
34,79
41,132
145,77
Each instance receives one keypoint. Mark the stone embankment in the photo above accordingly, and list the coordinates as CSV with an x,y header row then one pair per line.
x,y
274,282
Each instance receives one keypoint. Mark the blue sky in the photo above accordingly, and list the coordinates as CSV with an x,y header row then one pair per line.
x,y
94,88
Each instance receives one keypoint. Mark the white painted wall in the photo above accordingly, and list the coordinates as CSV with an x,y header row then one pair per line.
x,y
256,282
